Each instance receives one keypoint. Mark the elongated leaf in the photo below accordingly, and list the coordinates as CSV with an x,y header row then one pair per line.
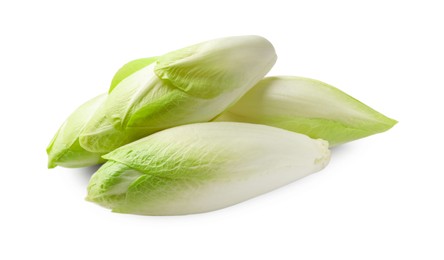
x,y
190,85
208,69
64,149
129,69
203,167
309,107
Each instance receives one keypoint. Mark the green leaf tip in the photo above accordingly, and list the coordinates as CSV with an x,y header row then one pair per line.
x,y
309,107
65,149
128,69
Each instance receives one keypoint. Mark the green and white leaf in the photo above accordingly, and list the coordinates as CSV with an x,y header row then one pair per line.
x,y
209,69
128,69
101,136
203,167
190,85
64,149
309,107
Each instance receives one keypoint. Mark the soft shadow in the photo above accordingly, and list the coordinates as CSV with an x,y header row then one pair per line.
x,y
341,149
84,174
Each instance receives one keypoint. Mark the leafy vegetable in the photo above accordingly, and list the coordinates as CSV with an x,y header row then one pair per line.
x,y
128,69
64,149
202,167
162,155
309,107
189,85
102,136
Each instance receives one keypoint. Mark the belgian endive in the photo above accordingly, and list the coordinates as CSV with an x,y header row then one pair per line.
x,y
202,167
64,149
190,85
309,107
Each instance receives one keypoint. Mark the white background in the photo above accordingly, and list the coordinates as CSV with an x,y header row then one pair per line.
x,y
380,197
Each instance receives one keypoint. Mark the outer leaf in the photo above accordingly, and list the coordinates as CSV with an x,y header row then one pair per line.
x,y
208,69
309,107
203,167
195,85
64,149
101,130
129,69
